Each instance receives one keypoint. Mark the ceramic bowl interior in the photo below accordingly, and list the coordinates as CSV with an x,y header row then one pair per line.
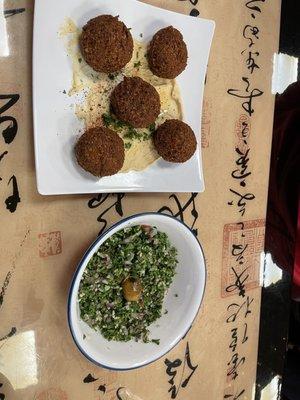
x,y
182,300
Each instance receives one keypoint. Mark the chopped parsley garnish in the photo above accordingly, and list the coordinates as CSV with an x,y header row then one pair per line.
x,y
79,60
152,128
138,253
156,341
111,76
110,120
146,136
137,64
127,145
133,134
130,133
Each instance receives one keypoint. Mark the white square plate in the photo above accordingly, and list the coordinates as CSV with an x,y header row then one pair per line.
x,y
56,127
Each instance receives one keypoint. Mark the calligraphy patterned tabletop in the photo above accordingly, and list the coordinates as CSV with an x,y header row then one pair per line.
x,y
43,238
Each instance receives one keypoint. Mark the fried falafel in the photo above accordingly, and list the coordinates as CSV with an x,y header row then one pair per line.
x,y
175,141
135,102
167,55
106,44
100,151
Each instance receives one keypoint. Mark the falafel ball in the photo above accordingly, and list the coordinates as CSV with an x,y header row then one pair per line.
x,y
167,55
135,102
106,44
100,151
175,141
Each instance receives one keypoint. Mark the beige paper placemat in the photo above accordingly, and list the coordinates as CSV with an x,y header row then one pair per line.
x,y
43,238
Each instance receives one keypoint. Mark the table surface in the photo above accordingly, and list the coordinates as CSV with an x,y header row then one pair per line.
x,y
43,238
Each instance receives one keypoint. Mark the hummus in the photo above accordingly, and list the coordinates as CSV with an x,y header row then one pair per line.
x,y
93,90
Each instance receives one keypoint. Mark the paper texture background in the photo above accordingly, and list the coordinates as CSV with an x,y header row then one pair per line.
x,y
43,239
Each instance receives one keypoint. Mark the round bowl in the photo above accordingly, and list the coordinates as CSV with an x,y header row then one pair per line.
x,y
182,300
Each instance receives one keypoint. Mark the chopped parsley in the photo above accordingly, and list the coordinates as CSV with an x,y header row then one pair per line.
x,y
110,120
156,341
152,128
147,136
130,133
127,145
138,253
137,64
133,134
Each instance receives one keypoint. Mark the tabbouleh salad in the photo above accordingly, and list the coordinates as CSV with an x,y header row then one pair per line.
x,y
123,286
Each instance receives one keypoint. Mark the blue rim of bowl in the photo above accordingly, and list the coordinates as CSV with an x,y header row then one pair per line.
x,y
79,268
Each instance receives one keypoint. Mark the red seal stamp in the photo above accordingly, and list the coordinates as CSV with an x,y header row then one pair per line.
x,y
249,236
50,244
